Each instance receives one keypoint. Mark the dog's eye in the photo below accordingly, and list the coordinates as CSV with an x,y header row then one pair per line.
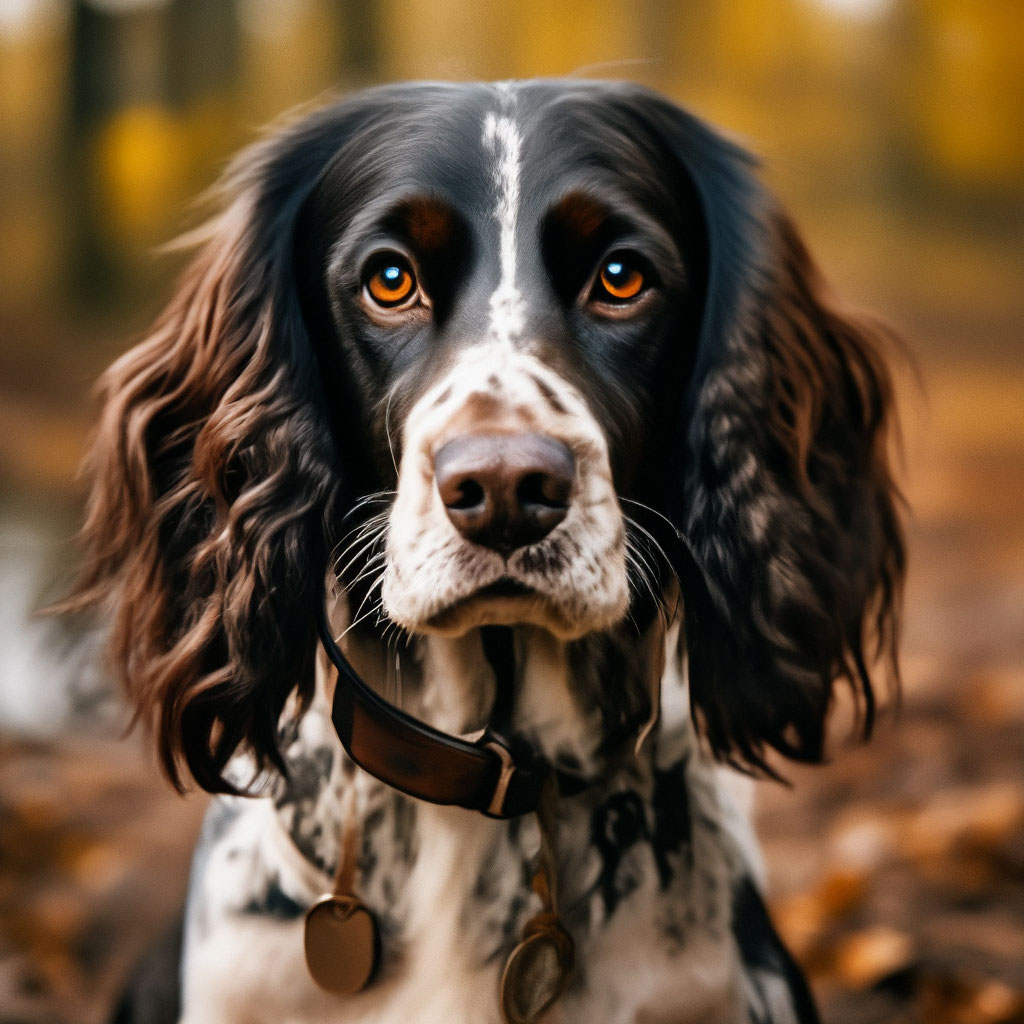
x,y
392,283
621,279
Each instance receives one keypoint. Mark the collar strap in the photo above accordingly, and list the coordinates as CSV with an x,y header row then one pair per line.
x,y
480,774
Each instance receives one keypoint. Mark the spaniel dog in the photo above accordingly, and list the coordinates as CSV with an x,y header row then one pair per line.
x,y
537,392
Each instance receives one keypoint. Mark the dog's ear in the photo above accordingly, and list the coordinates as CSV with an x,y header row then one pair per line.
x,y
213,479
784,489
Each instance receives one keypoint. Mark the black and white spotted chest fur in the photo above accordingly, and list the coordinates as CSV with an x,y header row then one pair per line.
x,y
656,866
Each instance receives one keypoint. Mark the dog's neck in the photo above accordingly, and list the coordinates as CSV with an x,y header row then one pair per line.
x,y
579,704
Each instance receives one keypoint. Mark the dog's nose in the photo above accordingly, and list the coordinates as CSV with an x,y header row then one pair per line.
x,y
504,491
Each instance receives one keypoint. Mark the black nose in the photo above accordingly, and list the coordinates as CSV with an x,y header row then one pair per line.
x,y
504,491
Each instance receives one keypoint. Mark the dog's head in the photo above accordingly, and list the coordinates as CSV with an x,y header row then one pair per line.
x,y
459,343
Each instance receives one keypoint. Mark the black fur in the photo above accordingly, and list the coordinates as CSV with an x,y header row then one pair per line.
x,y
764,954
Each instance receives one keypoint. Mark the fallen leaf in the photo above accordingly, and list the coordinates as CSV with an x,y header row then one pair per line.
x,y
865,957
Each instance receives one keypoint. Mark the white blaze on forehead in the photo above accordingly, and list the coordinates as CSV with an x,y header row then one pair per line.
x,y
503,140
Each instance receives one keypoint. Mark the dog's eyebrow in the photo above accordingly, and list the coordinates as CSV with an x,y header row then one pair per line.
x,y
581,214
428,222
589,220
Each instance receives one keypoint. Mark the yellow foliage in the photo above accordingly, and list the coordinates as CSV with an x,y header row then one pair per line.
x,y
968,87
141,170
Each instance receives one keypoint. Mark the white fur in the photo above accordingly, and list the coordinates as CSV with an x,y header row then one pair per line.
x,y
503,141
245,969
494,389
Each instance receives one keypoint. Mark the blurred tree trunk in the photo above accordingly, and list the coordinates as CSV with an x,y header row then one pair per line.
x,y
134,73
202,49
362,48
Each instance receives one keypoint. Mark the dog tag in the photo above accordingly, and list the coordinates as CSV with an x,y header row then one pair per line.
x,y
342,944
536,971
342,941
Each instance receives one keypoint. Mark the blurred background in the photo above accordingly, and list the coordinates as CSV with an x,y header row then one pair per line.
x,y
894,131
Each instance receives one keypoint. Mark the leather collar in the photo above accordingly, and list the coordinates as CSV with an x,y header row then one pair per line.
x,y
480,773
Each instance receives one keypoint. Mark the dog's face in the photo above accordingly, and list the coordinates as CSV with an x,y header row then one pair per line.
x,y
511,294
451,342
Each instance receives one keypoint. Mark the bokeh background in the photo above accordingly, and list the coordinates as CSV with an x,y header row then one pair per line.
x,y
894,131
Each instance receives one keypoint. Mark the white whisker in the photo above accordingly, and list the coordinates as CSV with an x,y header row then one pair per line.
x,y
387,431
368,546
360,531
367,570
366,539
361,616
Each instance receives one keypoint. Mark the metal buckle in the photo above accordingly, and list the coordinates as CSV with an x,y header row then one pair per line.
x,y
508,767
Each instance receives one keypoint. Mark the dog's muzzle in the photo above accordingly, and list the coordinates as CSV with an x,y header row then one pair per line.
x,y
506,511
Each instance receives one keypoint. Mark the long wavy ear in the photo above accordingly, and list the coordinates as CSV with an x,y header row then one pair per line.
x,y
784,488
213,480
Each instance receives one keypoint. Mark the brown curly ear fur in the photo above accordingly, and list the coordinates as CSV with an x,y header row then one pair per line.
x,y
213,484
791,511
782,485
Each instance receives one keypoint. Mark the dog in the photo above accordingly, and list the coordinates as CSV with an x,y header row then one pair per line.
x,y
533,367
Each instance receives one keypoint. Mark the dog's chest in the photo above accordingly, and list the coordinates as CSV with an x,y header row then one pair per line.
x,y
645,871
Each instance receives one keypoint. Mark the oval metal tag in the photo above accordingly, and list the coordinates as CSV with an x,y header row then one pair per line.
x,y
342,944
536,972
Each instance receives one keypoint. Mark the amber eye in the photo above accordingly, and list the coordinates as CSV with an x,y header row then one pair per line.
x,y
620,279
392,284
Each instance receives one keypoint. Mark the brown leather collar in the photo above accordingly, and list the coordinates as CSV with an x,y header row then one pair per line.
x,y
479,773
483,772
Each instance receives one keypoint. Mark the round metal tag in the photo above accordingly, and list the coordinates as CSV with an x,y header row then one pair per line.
x,y
342,944
536,972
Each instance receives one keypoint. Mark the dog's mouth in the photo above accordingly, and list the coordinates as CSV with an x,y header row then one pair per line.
x,y
505,602
503,590
504,587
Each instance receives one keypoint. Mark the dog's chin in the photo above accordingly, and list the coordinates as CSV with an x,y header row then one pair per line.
x,y
507,602
504,603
